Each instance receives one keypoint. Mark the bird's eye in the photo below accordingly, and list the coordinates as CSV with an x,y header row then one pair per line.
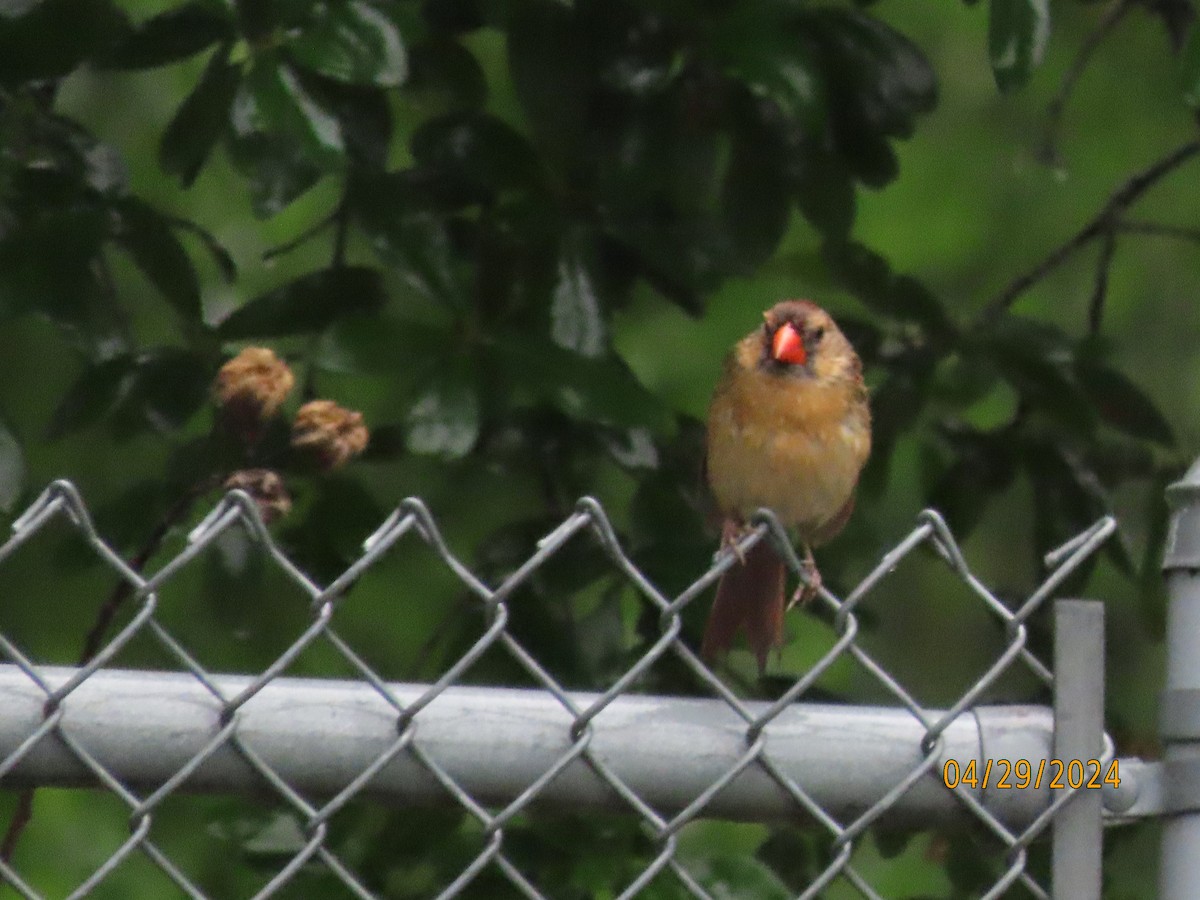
x,y
818,333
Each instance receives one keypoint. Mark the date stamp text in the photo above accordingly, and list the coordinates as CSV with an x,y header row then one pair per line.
x,y
1058,774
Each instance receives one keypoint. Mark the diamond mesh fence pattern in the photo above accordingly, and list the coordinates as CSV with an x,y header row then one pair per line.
x,y
311,748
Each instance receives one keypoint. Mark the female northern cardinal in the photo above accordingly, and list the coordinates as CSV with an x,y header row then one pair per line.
x,y
789,428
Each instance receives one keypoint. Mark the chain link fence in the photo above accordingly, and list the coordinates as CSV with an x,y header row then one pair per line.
x,y
314,747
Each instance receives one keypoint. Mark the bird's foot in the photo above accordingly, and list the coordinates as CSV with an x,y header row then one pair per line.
x,y
810,581
731,533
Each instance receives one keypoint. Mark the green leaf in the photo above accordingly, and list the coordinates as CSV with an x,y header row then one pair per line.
x,y
121,517
878,82
281,839
388,442
454,16
165,388
282,138
46,263
351,42
892,841
365,117
979,465
866,337
200,120
794,854
879,79
1039,361
601,391
310,303
632,448
91,396
550,64
961,379
278,171
768,55
755,195
148,237
1069,497
49,39
912,300
970,873
1117,459
737,875
576,311
272,101
162,388
403,215
870,278
69,166
220,256
445,73
870,157
1189,69
375,345
12,469
1124,405
1017,34
634,49
478,148
824,190
444,417
430,265
171,36
896,405
959,494
663,515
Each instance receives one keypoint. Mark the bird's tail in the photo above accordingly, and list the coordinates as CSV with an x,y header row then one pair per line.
x,y
749,596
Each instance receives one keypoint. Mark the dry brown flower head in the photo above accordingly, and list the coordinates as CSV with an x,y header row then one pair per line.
x,y
250,388
332,433
267,489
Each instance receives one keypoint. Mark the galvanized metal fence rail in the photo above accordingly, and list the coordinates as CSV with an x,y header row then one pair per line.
x,y
501,753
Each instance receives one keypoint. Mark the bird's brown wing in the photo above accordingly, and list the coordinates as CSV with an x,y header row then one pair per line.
x,y
833,527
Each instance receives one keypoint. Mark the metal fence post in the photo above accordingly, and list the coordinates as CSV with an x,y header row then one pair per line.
x,y
1078,735
1179,723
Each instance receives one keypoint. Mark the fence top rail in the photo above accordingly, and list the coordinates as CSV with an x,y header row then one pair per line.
x,y
319,735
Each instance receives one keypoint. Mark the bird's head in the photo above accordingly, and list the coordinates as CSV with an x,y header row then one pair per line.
x,y
800,339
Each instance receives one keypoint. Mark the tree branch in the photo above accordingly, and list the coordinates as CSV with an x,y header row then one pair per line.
x,y
341,221
124,589
1104,220
1112,17
1155,229
1108,249
308,234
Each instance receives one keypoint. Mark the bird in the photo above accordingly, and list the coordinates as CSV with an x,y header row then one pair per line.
x,y
789,429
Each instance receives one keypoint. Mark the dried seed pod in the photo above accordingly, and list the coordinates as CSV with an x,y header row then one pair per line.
x,y
332,434
249,390
267,489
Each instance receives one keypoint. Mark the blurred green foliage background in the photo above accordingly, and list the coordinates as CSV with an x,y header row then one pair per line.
x,y
519,238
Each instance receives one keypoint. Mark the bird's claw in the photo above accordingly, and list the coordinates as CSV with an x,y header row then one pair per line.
x,y
731,534
810,581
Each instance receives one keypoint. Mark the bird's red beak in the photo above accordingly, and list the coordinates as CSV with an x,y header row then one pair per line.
x,y
787,346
